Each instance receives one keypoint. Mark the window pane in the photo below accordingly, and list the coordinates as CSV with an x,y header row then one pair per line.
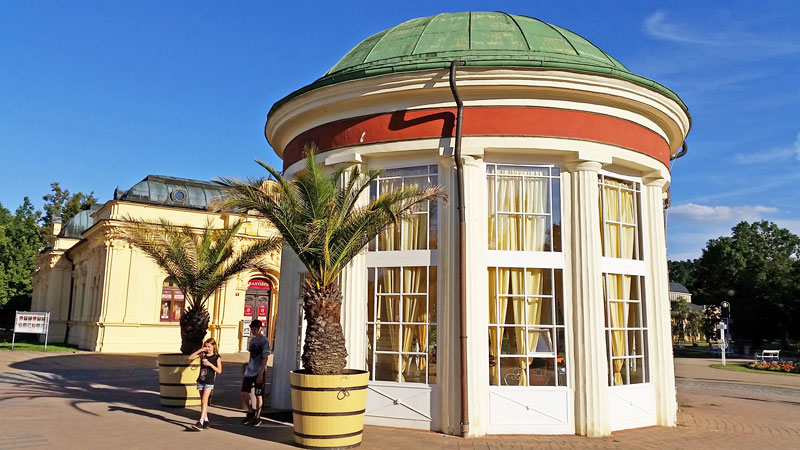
x,y
432,295
513,341
415,279
370,354
513,371
637,370
509,232
540,340
387,338
561,358
542,372
414,368
388,280
388,308
387,367
434,226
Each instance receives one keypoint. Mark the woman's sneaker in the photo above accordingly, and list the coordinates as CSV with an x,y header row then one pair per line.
x,y
198,426
206,424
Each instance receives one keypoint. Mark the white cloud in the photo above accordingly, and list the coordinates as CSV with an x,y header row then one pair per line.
x,y
774,154
691,212
739,38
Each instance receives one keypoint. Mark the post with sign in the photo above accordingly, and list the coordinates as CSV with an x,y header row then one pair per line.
x,y
31,323
723,345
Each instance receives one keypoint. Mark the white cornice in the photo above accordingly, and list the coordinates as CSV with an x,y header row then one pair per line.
x,y
480,87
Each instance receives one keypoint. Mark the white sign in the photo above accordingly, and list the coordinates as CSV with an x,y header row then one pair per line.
x,y
32,323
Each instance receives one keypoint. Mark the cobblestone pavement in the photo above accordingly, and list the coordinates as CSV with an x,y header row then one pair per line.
x,y
93,401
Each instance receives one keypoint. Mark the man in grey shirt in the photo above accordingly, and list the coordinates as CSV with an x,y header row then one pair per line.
x,y
254,373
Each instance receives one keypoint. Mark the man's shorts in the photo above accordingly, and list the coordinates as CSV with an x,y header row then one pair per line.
x,y
250,383
201,387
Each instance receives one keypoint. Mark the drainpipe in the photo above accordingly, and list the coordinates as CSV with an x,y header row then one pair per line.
x,y
462,250
683,151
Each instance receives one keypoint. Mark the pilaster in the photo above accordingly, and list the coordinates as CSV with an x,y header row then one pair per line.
x,y
662,370
590,367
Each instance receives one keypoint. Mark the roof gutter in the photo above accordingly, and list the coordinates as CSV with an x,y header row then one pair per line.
x,y
683,151
462,250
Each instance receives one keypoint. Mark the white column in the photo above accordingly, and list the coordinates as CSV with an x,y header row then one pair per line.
x,y
662,370
587,325
285,359
353,281
477,296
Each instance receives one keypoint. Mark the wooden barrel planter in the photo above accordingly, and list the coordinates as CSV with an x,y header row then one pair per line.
x,y
328,410
178,379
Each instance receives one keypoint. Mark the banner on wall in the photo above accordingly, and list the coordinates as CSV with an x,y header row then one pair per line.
x,y
248,310
259,284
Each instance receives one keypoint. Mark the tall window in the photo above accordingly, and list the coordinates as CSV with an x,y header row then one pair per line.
x,y
401,314
527,342
619,221
625,330
172,302
623,281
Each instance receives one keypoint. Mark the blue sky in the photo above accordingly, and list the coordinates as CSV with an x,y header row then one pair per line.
x,y
97,95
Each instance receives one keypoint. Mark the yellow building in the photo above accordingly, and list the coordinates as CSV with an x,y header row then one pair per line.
x,y
103,295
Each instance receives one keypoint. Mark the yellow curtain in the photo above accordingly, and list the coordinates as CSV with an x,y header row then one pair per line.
x,y
533,286
619,288
618,206
389,238
387,284
413,311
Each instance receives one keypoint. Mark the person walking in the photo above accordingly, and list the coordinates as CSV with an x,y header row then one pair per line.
x,y
210,367
255,374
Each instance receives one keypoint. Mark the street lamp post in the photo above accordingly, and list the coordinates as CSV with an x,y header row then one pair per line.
x,y
724,324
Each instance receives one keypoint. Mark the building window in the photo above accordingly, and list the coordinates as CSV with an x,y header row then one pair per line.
x,y
626,331
524,208
172,302
419,232
401,314
401,324
526,327
527,342
619,218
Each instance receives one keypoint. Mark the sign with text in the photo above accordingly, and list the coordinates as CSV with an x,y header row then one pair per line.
x,y
32,323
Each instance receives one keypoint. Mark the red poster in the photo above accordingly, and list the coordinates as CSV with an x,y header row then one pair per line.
x,y
262,311
248,310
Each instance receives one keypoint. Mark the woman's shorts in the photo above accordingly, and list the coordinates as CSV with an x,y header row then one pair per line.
x,y
201,386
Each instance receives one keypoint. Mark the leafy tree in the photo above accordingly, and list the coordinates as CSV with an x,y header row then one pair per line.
x,y
200,262
60,203
683,272
711,317
759,263
20,240
694,325
321,220
680,313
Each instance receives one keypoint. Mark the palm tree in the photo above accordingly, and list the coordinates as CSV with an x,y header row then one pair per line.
x,y
321,219
200,261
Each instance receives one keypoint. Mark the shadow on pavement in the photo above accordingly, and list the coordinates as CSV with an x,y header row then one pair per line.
x,y
129,384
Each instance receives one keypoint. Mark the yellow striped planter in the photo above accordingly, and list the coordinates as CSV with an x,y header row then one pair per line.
x,y
328,410
178,379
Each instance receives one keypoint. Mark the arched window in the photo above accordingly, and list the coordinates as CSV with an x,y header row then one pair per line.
x,y
172,302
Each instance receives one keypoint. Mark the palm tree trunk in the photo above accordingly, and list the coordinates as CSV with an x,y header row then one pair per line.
x,y
324,351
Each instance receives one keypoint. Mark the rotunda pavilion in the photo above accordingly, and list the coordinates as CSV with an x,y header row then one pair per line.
x,y
563,156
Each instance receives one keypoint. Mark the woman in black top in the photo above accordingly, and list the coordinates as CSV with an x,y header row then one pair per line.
x,y
210,366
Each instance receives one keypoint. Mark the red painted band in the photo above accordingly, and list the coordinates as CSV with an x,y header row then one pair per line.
x,y
480,121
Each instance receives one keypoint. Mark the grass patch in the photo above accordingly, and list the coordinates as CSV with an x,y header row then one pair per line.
x,y
60,347
736,367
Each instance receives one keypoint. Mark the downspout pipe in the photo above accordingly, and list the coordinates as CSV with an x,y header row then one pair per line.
x,y
71,288
462,250
683,151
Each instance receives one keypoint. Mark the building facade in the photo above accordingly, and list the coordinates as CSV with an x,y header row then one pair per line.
x,y
565,159
105,295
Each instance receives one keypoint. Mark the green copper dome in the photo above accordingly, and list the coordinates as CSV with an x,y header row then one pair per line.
x,y
480,39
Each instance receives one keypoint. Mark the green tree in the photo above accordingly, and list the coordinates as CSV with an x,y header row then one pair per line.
x,y
20,241
694,325
759,263
61,203
711,317
321,220
200,262
680,313
683,272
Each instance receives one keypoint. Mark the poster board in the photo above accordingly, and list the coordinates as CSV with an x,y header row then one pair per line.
x,y
31,323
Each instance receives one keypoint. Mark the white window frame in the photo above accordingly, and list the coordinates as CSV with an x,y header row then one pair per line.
x,y
550,261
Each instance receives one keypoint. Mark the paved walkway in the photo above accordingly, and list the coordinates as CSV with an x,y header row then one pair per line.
x,y
94,401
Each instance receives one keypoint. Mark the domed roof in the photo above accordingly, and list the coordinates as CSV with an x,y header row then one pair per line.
x,y
480,39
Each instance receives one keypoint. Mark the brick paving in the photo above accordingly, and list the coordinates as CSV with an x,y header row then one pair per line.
x,y
88,401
